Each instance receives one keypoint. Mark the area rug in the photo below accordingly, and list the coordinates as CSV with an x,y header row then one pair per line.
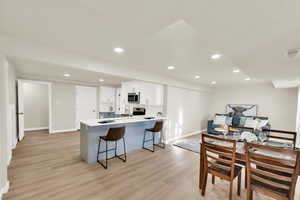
x,y
191,144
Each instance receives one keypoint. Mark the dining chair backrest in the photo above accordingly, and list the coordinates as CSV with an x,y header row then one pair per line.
x,y
115,133
282,136
220,154
158,126
272,170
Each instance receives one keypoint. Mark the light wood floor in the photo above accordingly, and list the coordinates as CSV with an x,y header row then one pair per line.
x,y
49,167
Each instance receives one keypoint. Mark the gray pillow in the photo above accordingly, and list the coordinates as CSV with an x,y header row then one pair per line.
x,y
228,120
243,121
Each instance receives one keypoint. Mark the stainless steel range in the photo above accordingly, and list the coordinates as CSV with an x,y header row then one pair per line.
x,y
139,111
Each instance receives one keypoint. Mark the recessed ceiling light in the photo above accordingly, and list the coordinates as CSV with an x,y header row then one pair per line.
x,y
171,67
101,80
197,77
213,82
247,79
236,71
216,56
118,50
67,75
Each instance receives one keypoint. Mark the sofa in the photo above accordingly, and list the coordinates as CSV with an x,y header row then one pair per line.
x,y
235,121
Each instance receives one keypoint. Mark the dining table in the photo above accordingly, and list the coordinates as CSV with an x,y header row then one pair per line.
x,y
240,152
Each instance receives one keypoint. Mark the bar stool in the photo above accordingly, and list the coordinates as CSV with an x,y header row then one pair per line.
x,y
113,135
156,129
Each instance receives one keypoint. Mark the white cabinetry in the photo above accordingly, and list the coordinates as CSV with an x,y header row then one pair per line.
x,y
107,98
118,101
150,93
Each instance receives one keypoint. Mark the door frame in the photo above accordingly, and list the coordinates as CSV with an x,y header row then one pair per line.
x,y
19,84
49,84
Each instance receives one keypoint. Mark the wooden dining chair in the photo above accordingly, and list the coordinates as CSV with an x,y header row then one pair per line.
x,y
280,178
219,160
241,162
282,136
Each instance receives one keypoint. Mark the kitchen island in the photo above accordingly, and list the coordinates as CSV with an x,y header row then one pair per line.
x,y
90,130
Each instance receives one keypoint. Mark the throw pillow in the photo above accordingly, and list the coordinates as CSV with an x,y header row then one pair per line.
x,y
261,123
228,120
220,120
235,121
243,121
251,123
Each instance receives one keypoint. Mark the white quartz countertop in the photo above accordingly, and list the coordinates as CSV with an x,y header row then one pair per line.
x,y
121,120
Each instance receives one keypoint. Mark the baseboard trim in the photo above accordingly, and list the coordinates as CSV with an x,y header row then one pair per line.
x,y
186,135
63,131
36,129
4,189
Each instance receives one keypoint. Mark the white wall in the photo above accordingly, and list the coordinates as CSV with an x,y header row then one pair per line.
x,y
187,112
279,105
3,126
63,107
62,103
36,106
7,119
11,112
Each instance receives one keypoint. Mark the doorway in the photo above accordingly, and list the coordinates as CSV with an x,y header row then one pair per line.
x,y
34,106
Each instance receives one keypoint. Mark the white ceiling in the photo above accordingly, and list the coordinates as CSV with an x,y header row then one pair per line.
x,y
28,69
253,36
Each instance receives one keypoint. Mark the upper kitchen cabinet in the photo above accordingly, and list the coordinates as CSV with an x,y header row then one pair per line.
x,y
150,93
107,98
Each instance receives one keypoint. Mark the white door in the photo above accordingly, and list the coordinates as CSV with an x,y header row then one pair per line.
x,y
86,104
20,110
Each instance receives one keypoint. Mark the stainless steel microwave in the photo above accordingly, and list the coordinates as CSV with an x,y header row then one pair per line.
x,y
134,97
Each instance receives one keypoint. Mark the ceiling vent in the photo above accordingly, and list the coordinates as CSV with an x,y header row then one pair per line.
x,y
292,53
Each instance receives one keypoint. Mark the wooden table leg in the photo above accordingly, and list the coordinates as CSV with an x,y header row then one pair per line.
x,y
201,167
